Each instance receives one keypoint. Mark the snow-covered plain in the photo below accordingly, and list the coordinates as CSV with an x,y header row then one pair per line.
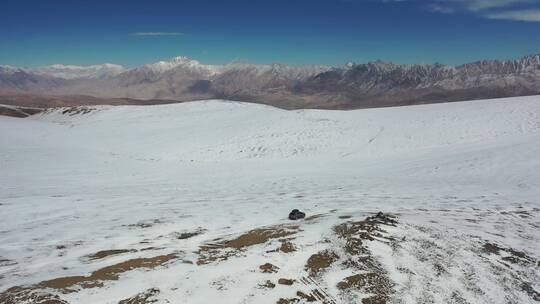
x,y
462,180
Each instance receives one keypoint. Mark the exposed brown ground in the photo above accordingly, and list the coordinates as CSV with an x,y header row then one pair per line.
x,y
268,284
268,268
515,257
370,279
145,297
320,261
373,278
221,250
284,281
109,273
70,284
315,294
186,235
106,253
18,295
306,297
287,247
190,234
260,236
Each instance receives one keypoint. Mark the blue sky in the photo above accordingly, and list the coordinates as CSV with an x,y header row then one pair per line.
x,y
329,32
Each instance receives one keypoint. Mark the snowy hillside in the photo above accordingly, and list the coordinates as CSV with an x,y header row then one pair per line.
x,y
188,203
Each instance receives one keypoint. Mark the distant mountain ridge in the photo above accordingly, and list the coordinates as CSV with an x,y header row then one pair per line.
x,y
69,71
372,84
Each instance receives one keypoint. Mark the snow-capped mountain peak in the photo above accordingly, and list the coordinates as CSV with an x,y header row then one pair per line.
x,y
8,69
76,72
183,62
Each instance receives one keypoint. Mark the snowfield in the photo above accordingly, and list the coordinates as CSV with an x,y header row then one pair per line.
x,y
188,203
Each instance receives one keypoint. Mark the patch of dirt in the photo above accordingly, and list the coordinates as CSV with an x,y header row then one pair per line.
x,y
17,295
354,233
287,247
491,248
260,236
268,284
187,235
151,248
349,282
306,297
268,268
316,294
70,284
369,282
527,287
301,298
106,253
374,300
209,254
109,273
221,250
373,279
62,248
144,297
320,261
284,281
515,257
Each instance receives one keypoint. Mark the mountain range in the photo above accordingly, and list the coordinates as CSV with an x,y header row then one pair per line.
x,y
374,84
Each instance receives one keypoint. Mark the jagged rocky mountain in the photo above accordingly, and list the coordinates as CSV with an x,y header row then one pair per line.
x,y
351,86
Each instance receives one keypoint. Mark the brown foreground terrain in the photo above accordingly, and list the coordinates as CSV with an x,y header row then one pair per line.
x,y
350,253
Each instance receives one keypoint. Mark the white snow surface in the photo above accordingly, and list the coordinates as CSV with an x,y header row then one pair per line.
x,y
455,175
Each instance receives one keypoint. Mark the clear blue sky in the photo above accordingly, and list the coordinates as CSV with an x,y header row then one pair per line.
x,y
290,31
